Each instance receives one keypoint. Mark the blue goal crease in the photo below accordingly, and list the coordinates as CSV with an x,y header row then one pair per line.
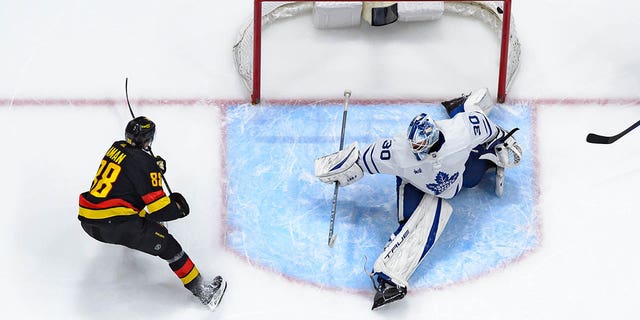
x,y
278,212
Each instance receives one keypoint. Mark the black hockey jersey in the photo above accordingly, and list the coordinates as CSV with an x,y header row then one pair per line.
x,y
127,181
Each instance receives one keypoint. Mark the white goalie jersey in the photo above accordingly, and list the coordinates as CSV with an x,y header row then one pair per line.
x,y
441,173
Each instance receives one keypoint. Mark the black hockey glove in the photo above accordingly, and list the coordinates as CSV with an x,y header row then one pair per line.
x,y
161,164
182,204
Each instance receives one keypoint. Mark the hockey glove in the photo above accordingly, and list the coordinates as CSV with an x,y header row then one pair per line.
x,y
503,149
181,202
161,164
341,166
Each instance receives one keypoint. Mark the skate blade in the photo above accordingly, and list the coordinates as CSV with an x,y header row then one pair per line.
x,y
217,297
377,304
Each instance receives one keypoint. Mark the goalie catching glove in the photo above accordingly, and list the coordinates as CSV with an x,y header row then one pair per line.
x,y
504,150
341,166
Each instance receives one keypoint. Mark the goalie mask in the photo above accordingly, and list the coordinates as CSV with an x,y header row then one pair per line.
x,y
422,134
140,132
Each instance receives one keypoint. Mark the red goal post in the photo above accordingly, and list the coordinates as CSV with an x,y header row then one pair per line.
x,y
497,14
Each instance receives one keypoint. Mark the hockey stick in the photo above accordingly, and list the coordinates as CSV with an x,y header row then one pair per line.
x,y
126,92
332,237
596,138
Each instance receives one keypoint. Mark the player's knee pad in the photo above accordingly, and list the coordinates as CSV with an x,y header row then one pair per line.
x,y
406,249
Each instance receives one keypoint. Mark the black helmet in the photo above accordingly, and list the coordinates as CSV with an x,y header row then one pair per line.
x,y
140,131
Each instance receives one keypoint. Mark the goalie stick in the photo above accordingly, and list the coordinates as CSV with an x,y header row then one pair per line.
x,y
332,237
596,138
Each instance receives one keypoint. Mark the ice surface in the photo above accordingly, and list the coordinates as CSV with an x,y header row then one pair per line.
x,y
63,66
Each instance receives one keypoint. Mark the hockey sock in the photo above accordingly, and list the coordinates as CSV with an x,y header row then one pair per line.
x,y
186,271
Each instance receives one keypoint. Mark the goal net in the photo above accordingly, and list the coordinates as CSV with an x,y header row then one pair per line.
x,y
339,14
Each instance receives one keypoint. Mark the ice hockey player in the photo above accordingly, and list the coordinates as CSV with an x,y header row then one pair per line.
x,y
129,179
432,162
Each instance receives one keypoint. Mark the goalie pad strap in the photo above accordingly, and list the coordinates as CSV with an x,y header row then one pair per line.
x,y
405,251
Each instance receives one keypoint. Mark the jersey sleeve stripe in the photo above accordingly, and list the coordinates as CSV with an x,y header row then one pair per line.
x,y
158,204
373,162
487,126
153,196
364,159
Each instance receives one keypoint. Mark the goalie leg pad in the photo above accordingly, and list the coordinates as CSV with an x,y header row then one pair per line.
x,y
479,99
405,250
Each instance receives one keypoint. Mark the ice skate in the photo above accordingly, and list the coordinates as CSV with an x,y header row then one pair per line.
x,y
449,105
210,293
387,292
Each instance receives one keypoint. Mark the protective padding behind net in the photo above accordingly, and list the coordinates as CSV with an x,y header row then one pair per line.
x,y
489,12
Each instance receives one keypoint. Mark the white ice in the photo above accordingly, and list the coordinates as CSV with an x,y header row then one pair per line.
x,y
62,70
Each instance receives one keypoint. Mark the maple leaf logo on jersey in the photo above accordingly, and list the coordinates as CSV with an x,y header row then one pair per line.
x,y
443,182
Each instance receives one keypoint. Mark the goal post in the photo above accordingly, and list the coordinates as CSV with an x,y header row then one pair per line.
x,y
496,14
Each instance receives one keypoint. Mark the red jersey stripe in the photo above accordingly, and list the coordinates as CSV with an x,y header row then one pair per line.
x,y
111,203
153,196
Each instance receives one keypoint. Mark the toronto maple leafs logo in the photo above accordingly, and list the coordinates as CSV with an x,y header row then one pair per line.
x,y
443,182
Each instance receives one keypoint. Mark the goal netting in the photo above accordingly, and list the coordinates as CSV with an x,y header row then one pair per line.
x,y
495,14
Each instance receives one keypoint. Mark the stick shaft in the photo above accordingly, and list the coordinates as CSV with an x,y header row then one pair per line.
x,y
334,203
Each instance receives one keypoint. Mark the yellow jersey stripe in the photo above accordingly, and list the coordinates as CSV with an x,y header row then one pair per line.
x,y
106,213
158,204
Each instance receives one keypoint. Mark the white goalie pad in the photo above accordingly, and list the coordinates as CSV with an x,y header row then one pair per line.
x,y
328,15
405,251
480,98
420,11
341,166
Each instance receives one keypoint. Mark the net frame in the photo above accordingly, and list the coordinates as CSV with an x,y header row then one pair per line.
x,y
269,11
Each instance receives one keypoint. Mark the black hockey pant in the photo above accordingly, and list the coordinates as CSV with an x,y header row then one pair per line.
x,y
150,237
140,234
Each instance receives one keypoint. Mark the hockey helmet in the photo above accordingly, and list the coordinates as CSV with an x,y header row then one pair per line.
x,y
140,132
422,134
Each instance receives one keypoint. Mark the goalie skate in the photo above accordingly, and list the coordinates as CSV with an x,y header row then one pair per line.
x,y
387,292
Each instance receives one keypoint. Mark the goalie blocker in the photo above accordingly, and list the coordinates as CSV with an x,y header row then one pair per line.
x,y
341,166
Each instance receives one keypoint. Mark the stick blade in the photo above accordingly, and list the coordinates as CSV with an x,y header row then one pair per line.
x,y
598,139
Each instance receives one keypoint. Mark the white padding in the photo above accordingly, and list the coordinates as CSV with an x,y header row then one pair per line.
x,y
420,11
404,252
328,15
341,166
480,98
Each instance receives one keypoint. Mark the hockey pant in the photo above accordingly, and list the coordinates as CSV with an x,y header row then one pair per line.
x,y
149,237
422,219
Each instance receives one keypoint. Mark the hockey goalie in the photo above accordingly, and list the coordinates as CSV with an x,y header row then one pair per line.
x,y
432,162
